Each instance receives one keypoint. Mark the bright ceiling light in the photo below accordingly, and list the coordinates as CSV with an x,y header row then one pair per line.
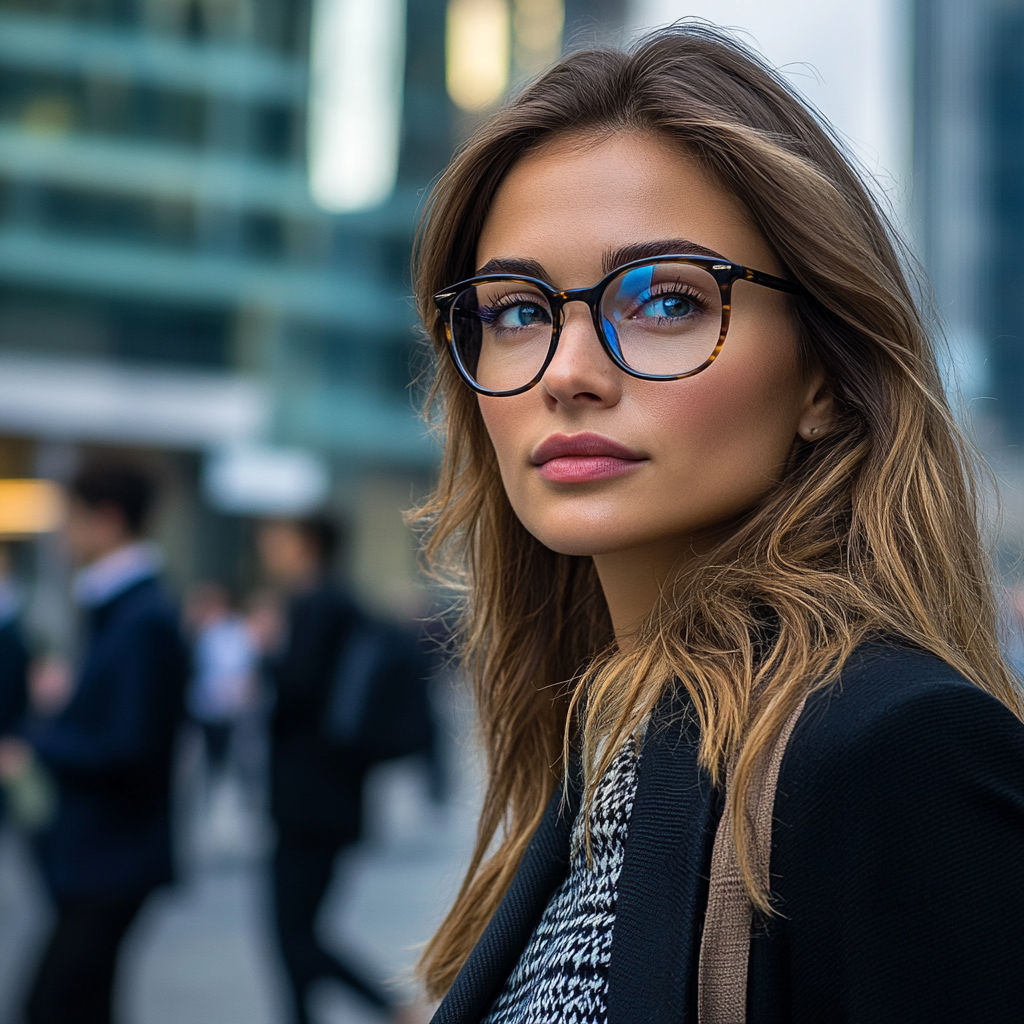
x,y
477,46
265,481
30,506
357,74
538,32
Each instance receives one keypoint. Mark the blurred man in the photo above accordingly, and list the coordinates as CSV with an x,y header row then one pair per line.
x,y
316,789
223,666
13,660
13,656
108,749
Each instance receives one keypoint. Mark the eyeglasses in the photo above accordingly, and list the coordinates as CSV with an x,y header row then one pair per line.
x,y
658,319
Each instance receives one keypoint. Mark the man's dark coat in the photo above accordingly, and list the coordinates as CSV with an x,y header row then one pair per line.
x,y
110,752
13,676
315,789
897,865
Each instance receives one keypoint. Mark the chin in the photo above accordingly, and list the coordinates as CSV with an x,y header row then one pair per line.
x,y
582,542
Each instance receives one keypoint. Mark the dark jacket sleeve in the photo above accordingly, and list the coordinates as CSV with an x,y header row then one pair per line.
x,y
13,677
898,864
319,623
128,711
315,789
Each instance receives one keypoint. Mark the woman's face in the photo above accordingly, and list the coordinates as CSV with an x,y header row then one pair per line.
x,y
681,458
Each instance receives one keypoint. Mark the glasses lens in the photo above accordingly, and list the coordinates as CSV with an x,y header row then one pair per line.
x,y
663,318
501,331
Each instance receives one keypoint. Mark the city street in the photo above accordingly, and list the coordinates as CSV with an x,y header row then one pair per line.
x,y
201,953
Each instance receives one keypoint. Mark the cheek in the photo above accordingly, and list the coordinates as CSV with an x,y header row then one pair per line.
x,y
718,442
505,420
734,426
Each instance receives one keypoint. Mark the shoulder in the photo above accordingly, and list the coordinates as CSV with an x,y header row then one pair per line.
x,y
145,607
900,727
325,600
10,633
885,689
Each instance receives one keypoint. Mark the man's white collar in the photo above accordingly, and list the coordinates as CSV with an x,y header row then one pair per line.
x,y
102,581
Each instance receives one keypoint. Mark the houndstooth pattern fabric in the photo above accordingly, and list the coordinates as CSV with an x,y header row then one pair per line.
x,y
562,975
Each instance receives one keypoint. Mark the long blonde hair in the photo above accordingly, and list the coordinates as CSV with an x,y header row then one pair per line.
x,y
872,531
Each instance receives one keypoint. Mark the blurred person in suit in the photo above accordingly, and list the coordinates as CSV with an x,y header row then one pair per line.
x,y
108,749
316,789
13,662
223,668
13,655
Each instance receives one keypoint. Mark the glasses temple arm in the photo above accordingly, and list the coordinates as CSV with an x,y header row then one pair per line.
x,y
770,281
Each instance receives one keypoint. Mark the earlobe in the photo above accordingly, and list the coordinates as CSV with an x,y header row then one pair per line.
x,y
818,415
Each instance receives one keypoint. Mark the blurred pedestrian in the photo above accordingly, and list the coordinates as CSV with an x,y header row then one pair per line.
x,y
108,749
223,667
13,660
316,789
13,655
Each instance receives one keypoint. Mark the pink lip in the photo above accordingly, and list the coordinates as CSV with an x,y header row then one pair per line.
x,y
580,458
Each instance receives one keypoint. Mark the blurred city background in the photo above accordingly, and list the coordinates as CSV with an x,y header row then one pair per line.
x,y
206,213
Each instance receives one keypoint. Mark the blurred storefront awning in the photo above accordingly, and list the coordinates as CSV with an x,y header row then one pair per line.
x,y
85,400
265,481
98,401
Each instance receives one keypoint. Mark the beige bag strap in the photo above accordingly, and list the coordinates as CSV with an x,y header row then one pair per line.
x,y
725,945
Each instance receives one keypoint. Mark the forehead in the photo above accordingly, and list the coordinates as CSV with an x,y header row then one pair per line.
x,y
574,199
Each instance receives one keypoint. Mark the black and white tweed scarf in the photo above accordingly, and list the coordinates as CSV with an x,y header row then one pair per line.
x,y
562,975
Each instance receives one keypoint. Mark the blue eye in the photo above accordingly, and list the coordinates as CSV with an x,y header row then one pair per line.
x,y
522,314
667,307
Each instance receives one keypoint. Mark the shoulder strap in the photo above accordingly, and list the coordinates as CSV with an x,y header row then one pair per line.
x,y
725,944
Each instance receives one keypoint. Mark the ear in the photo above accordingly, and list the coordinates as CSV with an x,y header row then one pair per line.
x,y
818,413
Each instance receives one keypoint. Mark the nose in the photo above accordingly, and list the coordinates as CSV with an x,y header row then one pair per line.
x,y
580,370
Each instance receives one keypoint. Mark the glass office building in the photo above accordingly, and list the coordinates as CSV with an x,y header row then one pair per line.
x,y
174,280
969,197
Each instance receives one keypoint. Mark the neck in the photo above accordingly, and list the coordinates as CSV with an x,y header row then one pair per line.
x,y
633,581
110,549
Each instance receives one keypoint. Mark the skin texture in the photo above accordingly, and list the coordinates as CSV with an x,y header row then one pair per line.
x,y
92,533
287,557
711,445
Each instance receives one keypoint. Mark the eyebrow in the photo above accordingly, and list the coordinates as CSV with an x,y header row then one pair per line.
x,y
612,257
648,250
513,265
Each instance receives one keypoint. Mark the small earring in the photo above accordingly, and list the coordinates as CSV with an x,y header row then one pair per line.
x,y
814,430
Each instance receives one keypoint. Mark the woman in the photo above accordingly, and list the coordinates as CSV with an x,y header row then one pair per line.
x,y
718,483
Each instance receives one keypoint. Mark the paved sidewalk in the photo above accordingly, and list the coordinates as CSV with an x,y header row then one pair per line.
x,y
201,952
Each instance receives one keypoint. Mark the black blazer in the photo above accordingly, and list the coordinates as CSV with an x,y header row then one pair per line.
x,y
110,751
897,865
315,790
13,676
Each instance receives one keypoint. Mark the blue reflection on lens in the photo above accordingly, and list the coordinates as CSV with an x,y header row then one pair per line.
x,y
630,287
612,337
626,291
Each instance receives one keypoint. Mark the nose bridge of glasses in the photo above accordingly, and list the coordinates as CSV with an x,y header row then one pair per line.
x,y
595,334
585,295
588,296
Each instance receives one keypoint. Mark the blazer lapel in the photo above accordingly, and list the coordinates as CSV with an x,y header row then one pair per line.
x,y
542,870
662,890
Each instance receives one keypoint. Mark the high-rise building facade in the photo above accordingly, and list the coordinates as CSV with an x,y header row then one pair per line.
x,y
172,278
969,198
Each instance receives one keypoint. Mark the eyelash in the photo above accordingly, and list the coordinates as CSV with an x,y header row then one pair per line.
x,y
489,314
674,288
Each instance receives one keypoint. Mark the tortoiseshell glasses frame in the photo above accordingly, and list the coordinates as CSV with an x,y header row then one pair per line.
x,y
724,273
